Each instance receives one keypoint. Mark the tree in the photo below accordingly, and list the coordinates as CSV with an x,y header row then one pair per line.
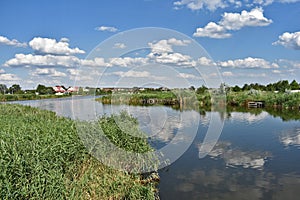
x,y
192,88
294,85
246,87
41,89
15,89
201,89
3,88
236,88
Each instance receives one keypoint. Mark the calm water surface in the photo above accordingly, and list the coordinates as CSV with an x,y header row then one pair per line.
x,y
256,157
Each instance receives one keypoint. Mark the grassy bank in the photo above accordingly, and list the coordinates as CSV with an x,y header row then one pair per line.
x,y
271,99
42,157
23,97
237,99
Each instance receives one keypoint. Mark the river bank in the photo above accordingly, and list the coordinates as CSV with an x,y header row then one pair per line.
x,y
235,99
43,157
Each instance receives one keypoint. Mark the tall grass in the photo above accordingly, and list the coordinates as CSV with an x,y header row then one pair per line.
x,y
42,157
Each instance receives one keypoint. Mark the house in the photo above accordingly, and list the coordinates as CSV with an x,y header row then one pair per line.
x,y
59,89
72,89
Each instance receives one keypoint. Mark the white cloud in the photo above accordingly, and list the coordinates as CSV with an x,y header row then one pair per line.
x,y
2,71
236,21
177,59
289,40
187,76
233,21
268,2
133,74
200,4
42,60
162,52
165,46
127,61
119,46
239,63
74,72
292,63
107,28
13,42
48,72
51,46
213,5
9,77
212,30
248,63
227,74
276,71
204,61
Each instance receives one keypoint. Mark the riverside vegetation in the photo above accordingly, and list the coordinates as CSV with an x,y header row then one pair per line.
x,y
283,98
42,157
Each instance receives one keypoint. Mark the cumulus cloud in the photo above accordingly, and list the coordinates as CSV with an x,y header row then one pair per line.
x,y
212,30
106,28
289,40
213,5
233,22
13,42
119,46
2,71
9,77
200,4
162,52
248,63
236,21
74,72
42,60
127,61
48,72
51,46
268,2
239,63
187,76
133,74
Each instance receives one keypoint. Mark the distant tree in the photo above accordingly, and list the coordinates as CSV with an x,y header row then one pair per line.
x,y
246,87
282,86
192,88
236,88
3,89
294,85
15,89
270,87
201,89
41,89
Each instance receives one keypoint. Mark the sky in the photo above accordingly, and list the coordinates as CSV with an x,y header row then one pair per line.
x,y
109,43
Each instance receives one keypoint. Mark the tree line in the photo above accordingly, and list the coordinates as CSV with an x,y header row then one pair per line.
x,y
280,86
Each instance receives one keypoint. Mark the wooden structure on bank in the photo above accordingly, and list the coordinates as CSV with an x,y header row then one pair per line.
x,y
256,104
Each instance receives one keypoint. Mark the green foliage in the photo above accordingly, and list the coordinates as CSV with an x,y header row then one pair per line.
x,y
42,157
41,89
123,131
15,89
3,89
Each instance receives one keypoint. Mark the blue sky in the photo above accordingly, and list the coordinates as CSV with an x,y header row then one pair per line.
x,y
48,42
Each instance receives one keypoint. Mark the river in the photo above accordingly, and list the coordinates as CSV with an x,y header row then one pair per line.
x,y
257,155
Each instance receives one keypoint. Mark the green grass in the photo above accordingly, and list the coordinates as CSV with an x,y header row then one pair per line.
x,y
238,99
42,157
271,99
23,97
